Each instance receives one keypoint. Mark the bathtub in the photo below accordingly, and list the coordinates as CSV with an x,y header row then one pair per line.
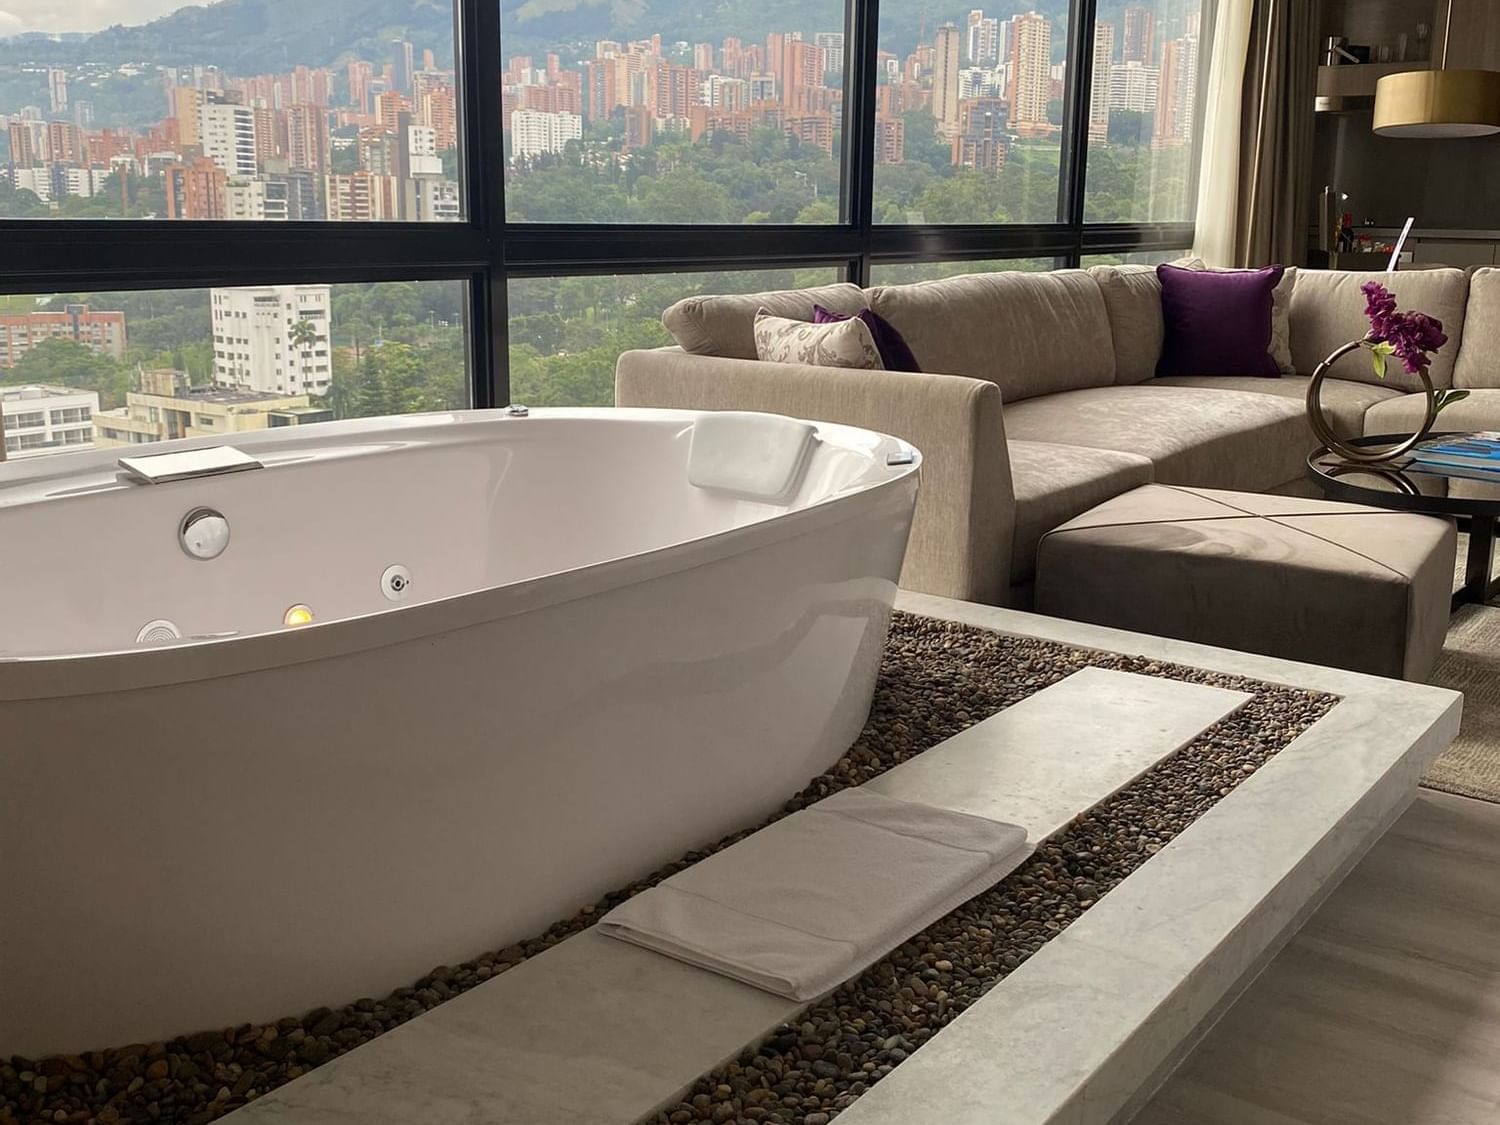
x,y
590,666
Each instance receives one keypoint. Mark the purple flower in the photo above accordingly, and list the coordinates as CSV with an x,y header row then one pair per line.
x,y
1411,335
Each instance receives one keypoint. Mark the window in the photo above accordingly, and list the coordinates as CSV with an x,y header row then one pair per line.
x,y
26,420
565,332
969,112
1135,258
1144,113
396,347
905,273
353,173
662,115
215,118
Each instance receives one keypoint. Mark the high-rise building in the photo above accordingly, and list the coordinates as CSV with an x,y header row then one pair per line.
x,y
361,74
703,56
1030,70
101,332
195,190
890,140
982,39
260,199
362,197
307,140
982,142
185,104
1140,35
945,72
831,43
533,133
227,133
1133,87
1176,102
57,89
802,72
402,65
28,143
258,345
1100,94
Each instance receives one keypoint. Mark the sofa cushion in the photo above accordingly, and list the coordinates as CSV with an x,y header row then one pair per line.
x,y
1212,438
725,325
1132,299
1029,333
842,343
1218,322
1054,483
1478,362
1344,403
894,354
1328,311
1480,411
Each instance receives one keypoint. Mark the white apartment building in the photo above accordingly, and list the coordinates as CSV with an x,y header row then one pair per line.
x,y
256,199
533,132
38,181
41,419
433,200
227,132
422,151
255,336
1133,86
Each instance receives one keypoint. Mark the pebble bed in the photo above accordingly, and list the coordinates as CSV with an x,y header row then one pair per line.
x,y
936,679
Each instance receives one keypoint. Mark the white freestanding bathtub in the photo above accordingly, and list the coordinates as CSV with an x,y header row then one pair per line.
x,y
591,665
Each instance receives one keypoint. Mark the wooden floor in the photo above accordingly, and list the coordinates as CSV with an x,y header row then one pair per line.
x,y
1385,1009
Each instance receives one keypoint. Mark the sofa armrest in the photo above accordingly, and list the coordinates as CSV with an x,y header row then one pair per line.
x,y
965,519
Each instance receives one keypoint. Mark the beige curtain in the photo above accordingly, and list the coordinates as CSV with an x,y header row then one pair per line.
x,y
1219,178
1276,134
1254,201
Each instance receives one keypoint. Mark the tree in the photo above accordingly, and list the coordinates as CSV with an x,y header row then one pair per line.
x,y
303,336
67,363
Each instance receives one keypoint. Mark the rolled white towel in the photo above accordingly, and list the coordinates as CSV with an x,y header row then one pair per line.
x,y
808,902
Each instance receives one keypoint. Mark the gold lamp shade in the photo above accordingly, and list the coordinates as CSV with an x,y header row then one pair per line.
x,y
1438,103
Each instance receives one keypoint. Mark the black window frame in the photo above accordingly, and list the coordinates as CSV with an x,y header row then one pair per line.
x,y
485,250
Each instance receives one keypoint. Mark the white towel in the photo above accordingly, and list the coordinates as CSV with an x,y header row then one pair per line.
x,y
810,901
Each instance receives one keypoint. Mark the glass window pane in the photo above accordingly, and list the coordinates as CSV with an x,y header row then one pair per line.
x,y
904,273
676,114
567,332
220,112
1135,258
1143,113
94,370
969,112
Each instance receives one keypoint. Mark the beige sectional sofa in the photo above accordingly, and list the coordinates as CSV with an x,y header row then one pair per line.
x,y
1043,400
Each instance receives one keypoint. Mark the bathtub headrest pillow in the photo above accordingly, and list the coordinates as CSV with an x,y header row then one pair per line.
x,y
754,456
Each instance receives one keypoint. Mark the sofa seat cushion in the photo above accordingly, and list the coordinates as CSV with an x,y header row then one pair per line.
x,y
1344,403
1029,333
1480,411
1191,435
1054,483
1478,362
1338,584
1328,311
725,325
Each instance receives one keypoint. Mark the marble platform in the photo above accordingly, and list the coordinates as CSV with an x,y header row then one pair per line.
x,y
598,1032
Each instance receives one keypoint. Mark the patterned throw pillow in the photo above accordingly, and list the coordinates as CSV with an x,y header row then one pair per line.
x,y
846,343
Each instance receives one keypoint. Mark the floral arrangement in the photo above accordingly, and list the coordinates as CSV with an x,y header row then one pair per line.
x,y
1410,336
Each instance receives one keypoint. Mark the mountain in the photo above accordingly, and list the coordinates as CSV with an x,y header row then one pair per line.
x,y
255,36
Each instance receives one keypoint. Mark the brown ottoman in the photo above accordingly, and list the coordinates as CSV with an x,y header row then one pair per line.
x,y
1336,584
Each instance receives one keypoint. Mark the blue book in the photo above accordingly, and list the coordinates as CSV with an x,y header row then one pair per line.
x,y
1479,451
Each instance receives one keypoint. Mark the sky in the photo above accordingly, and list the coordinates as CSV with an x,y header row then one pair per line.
x,y
79,15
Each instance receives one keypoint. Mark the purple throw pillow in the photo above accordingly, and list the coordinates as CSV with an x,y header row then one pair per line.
x,y
1218,322
888,342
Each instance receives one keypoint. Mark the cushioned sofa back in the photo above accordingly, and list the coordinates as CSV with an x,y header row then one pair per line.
x,y
1478,363
725,325
1132,297
1030,333
1328,310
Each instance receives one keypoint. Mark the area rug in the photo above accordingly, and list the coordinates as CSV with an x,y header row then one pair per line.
x,y
1471,664
936,679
